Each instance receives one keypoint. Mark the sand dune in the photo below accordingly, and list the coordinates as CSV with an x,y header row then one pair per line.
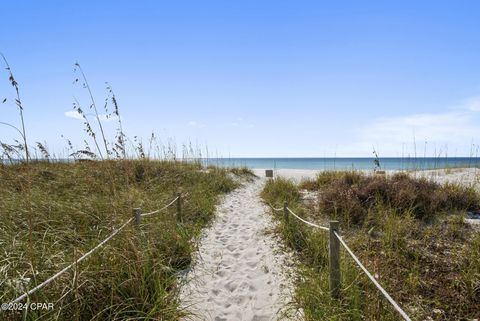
x,y
240,272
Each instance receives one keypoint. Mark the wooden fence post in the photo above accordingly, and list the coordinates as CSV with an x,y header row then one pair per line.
x,y
285,211
334,257
179,207
137,213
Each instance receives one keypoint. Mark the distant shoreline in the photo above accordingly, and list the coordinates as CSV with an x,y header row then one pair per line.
x,y
348,163
318,163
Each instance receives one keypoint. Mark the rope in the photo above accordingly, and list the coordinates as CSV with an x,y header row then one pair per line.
x,y
83,257
375,282
306,222
275,209
161,209
379,287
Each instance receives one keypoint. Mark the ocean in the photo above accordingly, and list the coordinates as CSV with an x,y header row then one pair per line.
x,y
347,163
330,163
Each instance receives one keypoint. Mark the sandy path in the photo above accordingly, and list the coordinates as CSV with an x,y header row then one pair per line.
x,y
240,273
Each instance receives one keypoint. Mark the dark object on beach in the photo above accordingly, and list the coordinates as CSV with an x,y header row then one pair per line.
x,y
380,172
376,161
269,173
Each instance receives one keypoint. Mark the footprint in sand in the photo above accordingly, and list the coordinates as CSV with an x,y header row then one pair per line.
x,y
231,286
244,283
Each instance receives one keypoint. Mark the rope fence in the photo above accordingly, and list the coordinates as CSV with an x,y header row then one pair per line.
x,y
136,218
334,251
161,209
306,222
374,281
334,258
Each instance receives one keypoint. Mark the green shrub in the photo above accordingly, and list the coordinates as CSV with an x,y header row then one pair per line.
x,y
279,190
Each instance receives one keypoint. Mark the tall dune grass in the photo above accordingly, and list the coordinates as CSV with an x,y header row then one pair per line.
x,y
53,213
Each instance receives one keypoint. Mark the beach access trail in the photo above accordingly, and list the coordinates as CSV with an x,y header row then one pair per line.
x,y
240,272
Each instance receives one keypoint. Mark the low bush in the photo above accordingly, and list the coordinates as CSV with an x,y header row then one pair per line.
x,y
349,196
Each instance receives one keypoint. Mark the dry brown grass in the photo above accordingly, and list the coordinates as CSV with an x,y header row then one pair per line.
x,y
353,196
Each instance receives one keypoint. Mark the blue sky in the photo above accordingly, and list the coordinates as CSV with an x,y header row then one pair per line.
x,y
253,78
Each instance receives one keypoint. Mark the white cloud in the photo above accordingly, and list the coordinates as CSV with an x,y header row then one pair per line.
x,y
196,124
452,128
447,126
73,114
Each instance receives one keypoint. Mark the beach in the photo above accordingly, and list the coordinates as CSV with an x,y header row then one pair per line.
x,y
242,272
464,176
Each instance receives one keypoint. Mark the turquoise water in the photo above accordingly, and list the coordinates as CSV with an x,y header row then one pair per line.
x,y
347,163
330,163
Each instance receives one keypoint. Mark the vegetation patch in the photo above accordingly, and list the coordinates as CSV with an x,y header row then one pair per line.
x,y
410,233
52,213
353,196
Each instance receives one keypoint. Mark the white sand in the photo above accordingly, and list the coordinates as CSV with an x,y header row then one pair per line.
x,y
295,174
240,273
465,176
